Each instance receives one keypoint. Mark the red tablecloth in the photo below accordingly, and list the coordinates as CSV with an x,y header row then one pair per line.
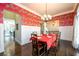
x,y
49,39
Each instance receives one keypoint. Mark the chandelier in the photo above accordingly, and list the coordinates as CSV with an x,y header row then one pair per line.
x,y
46,16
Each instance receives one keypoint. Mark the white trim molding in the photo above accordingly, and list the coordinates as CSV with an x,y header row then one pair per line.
x,y
66,12
70,11
63,13
26,8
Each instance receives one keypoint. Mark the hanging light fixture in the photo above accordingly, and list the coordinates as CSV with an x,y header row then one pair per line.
x,y
46,16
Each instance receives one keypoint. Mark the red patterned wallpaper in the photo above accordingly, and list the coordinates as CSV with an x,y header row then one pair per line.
x,y
31,19
28,18
66,19
1,15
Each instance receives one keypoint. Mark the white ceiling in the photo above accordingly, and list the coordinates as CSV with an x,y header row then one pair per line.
x,y
52,8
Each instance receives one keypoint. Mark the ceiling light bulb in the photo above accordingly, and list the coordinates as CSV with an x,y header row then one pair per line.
x,y
42,18
45,15
49,16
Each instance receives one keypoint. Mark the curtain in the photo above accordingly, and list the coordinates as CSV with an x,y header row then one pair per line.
x,y
76,31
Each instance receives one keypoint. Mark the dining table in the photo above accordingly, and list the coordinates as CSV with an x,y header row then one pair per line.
x,y
48,39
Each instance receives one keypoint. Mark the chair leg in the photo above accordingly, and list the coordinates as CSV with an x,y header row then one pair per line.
x,y
47,52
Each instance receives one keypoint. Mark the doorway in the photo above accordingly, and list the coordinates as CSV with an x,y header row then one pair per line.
x,y
9,20
11,31
9,36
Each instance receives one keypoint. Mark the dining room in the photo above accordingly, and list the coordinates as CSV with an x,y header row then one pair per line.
x,y
41,29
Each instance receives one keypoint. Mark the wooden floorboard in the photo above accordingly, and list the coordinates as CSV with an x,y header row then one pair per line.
x,y
65,49
1,54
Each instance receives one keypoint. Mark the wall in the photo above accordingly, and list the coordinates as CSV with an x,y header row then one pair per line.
x,y
1,32
66,32
66,19
29,25
26,33
65,25
1,38
53,25
18,30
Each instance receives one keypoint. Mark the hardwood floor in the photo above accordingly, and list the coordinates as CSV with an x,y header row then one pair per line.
x,y
1,54
65,49
25,50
